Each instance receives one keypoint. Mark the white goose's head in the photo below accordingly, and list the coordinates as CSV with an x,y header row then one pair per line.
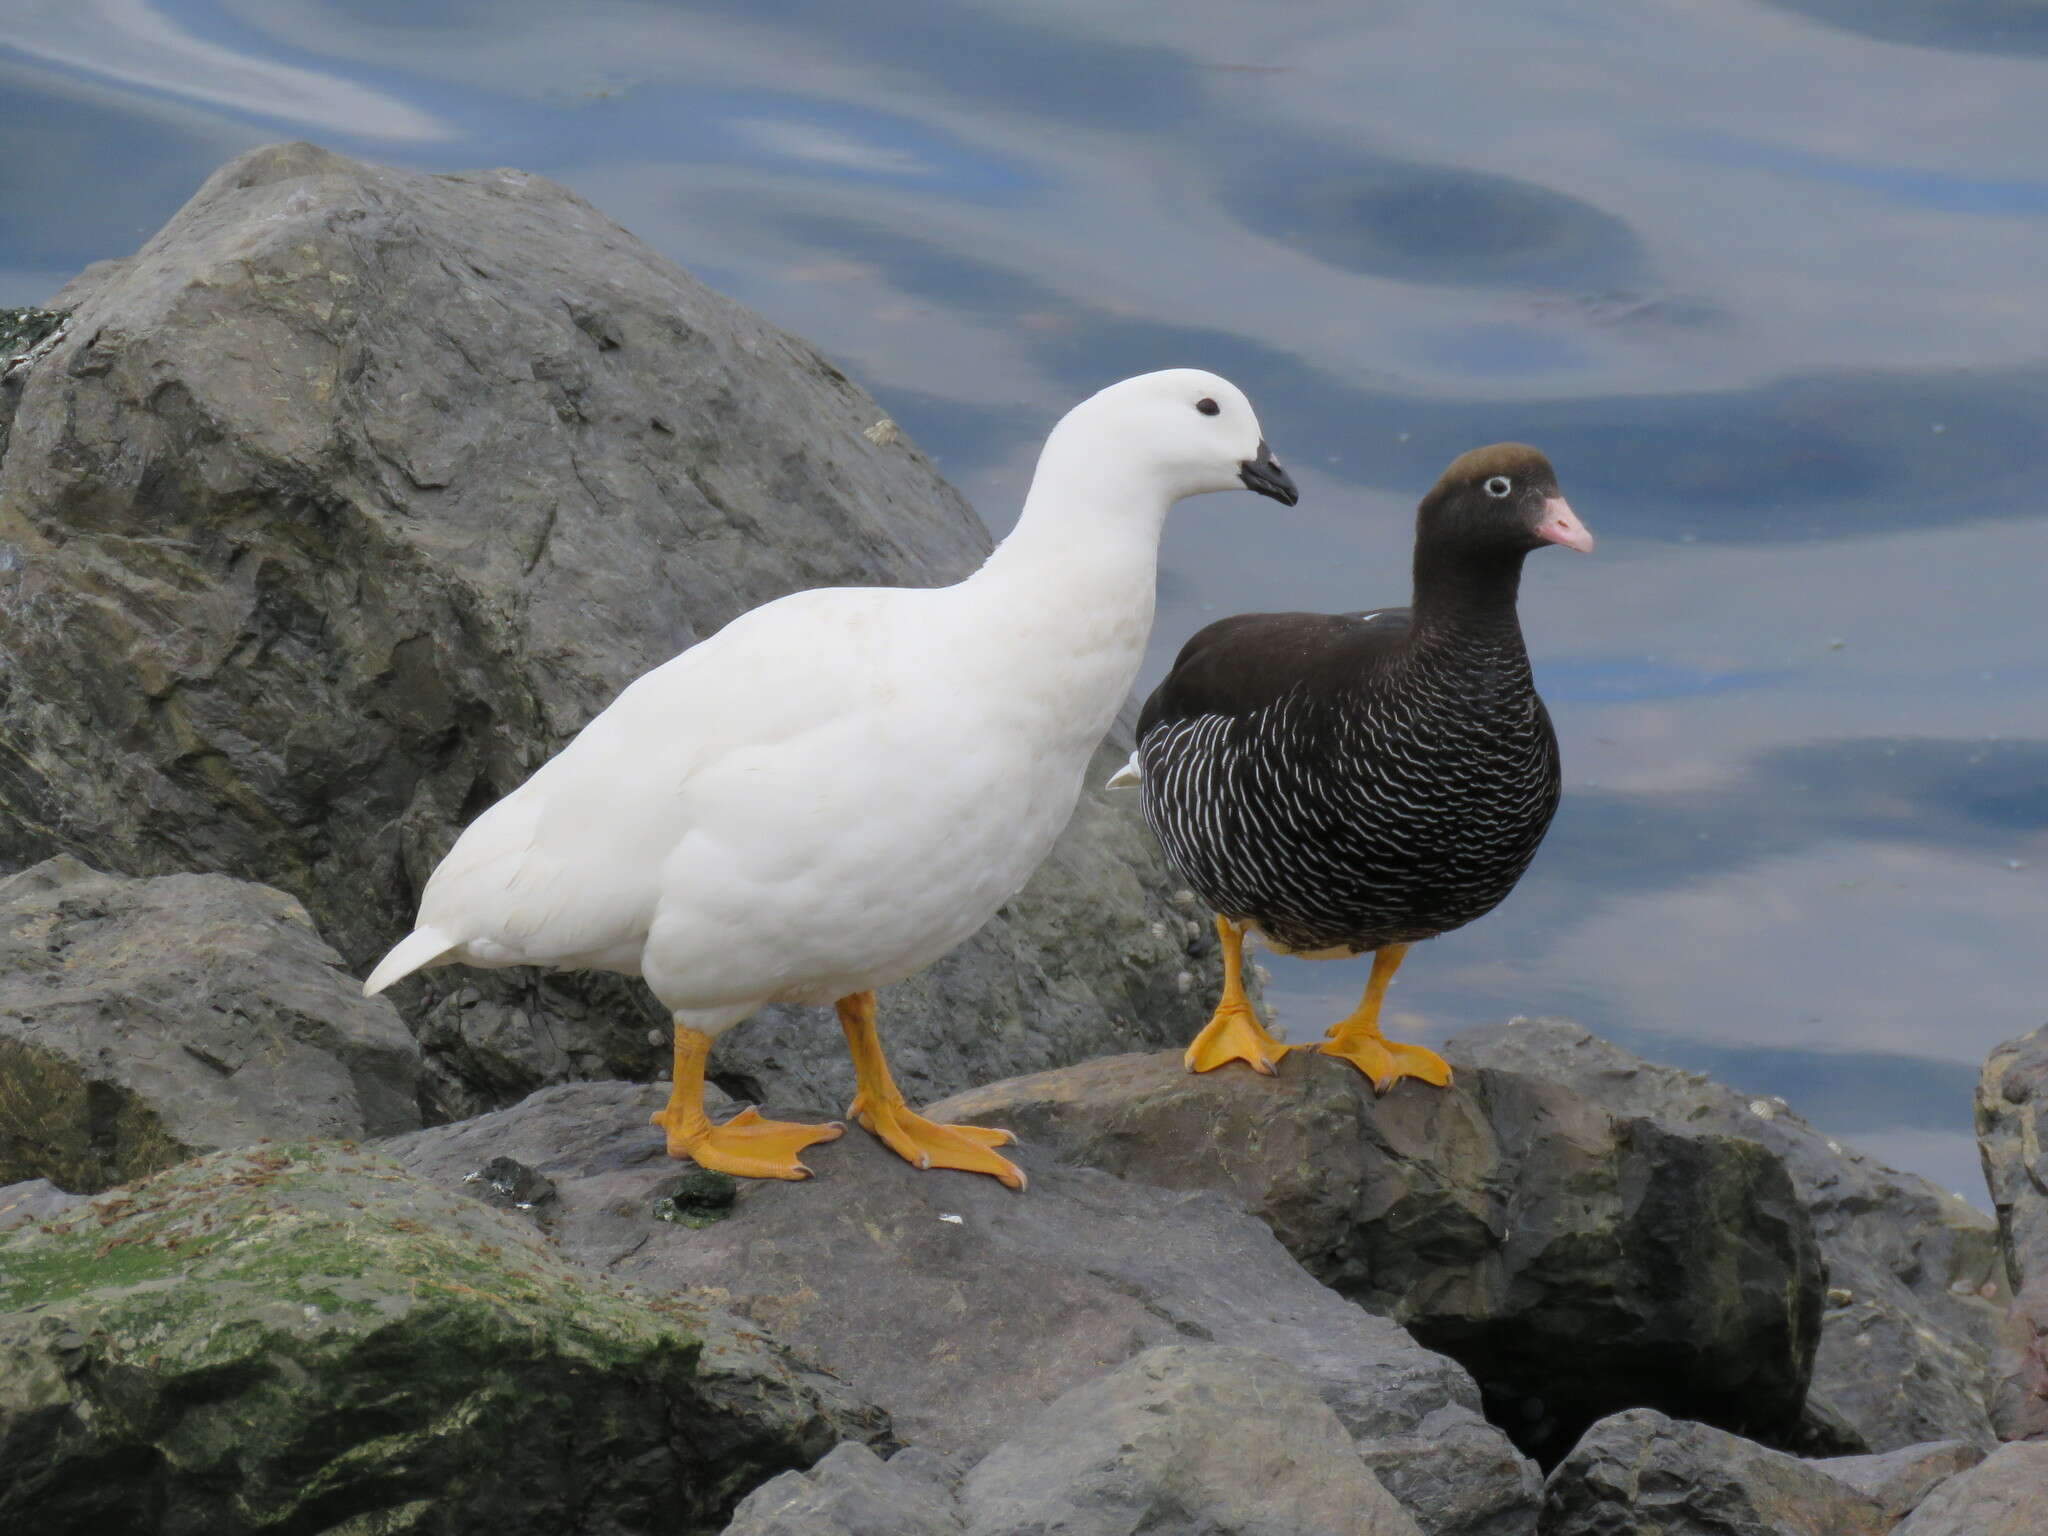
x,y
1182,430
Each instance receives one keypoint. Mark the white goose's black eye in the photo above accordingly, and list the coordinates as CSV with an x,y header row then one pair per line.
x,y
1499,486
1207,407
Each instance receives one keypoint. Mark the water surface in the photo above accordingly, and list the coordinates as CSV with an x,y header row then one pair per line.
x,y
1765,280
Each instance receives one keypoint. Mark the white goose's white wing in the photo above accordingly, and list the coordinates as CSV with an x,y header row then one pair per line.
x,y
566,870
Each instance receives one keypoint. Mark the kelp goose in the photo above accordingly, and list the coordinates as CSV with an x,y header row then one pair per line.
x,y
1338,783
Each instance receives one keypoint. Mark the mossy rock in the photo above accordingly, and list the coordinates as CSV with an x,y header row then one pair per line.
x,y
21,329
309,1339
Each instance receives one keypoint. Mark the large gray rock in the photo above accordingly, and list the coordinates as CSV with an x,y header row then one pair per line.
x,y
1184,1440
339,507
143,1021
963,1308
1914,1293
1642,1474
2012,1139
1575,1261
2006,1495
312,1340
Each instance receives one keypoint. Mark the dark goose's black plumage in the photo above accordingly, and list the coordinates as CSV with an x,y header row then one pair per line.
x,y
1350,782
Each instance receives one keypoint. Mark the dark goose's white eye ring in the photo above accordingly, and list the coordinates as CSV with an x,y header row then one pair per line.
x,y
1499,486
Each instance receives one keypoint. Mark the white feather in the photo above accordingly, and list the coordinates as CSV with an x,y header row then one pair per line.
x,y
420,947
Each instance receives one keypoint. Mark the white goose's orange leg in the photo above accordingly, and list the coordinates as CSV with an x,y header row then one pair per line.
x,y
1233,1032
1358,1039
746,1146
878,1104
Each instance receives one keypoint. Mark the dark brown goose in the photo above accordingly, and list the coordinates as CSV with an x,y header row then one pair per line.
x,y
1344,783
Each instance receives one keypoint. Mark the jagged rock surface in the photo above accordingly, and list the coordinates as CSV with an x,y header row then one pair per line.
x,y
2019,1368
33,1200
962,1308
1900,1479
299,1339
2012,1136
1193,1438
1577,1262
1914,1294
1202,1439
144,1021
1642,1474
340,506
2012,1139
2005,1495
853,1492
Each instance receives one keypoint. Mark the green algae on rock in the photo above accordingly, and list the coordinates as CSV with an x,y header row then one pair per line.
x,y
22,329
308,1338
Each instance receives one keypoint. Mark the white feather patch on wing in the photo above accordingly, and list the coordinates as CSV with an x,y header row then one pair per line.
x,y
1130,776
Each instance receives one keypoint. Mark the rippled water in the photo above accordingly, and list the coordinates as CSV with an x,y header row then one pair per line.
x,y
1767,281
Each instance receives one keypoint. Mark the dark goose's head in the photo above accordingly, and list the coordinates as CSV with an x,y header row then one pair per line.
x,y
1498,502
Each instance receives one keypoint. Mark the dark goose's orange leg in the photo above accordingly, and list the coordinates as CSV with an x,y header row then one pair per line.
x,y
1233,1032
1358,1039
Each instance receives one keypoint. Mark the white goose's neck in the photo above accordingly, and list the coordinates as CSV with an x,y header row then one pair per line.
x,y
1068,597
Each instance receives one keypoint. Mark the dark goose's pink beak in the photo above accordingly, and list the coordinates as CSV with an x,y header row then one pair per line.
x,y
1561,525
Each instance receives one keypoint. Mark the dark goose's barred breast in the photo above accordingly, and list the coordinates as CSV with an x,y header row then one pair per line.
x,y
1373,792
1348,781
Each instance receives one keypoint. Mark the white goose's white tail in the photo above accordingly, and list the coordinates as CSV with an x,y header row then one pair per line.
x,y
1130,776
421,947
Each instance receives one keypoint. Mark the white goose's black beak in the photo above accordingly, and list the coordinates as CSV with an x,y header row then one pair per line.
x,y
1264,475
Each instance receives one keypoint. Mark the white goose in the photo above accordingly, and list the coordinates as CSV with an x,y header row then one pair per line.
x,y
840,786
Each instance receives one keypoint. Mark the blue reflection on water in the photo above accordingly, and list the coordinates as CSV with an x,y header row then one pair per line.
x,y
1977,26
1614,679
1770,296
1946,191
